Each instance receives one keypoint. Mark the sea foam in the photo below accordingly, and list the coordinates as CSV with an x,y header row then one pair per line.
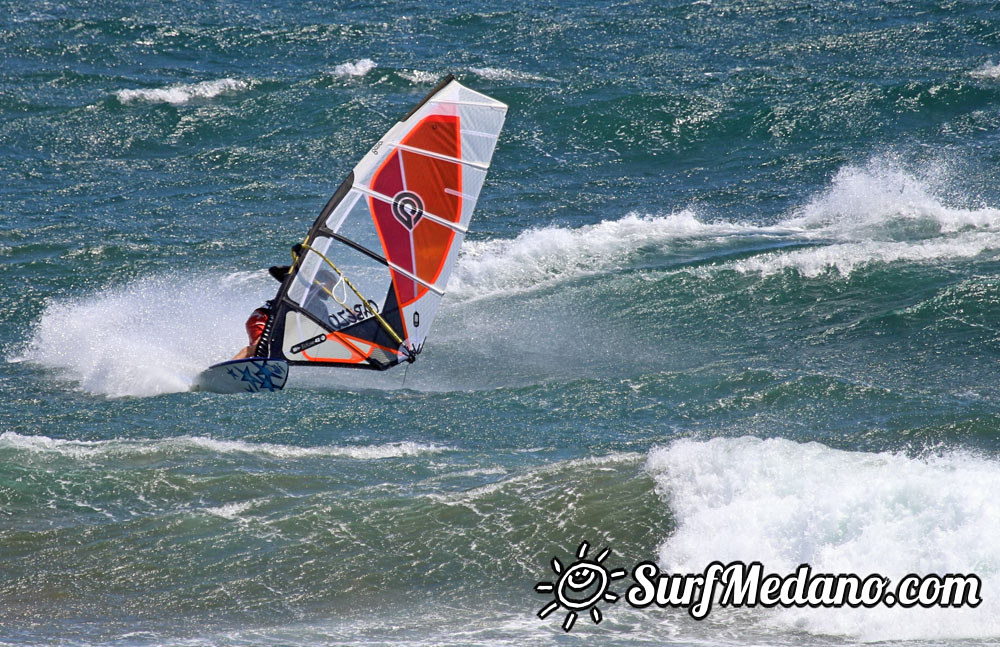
x,y
880,213
550,254
180,94
150,336
886,200
988,70
119,448
355,68
785,503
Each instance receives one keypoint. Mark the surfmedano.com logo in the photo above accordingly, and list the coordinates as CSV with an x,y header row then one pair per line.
x,y
585,583
580,586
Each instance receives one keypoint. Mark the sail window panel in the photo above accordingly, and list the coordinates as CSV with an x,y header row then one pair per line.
x,y
480,130
329,298
341,212
359,227
308,267
369,275
334,301
472,184
323,285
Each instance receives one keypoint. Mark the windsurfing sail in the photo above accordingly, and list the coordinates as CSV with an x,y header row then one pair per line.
x,y
369,277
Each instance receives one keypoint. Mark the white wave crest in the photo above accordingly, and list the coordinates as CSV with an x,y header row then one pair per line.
x,y
419,76
360,452
885,201
540,256
355,68
989,70
785,503
845,258
179,94
80,449
879,214
503,74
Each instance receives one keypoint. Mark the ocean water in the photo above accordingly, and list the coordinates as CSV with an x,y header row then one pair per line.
x,y
732,292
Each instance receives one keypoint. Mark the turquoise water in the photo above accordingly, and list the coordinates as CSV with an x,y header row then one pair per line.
x,y
730,293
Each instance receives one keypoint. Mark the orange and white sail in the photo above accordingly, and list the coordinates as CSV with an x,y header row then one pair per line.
x,y
376,262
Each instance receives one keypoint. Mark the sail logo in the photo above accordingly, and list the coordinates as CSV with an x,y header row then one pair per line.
x,y
307,344
580,587
408,208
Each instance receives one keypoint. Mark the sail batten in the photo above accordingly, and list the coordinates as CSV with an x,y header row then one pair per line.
x,y
447,158
429,286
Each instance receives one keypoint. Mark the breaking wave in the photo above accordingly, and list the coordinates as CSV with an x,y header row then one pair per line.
x,y
880,214
876,214
843,259
540,256
785,503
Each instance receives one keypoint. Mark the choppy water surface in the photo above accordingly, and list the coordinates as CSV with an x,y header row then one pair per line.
x,y
730,293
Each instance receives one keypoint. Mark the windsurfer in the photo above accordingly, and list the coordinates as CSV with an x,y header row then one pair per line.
x,y
257,320
255,328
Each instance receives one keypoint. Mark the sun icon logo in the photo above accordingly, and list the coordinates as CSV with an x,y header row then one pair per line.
x,y
580,586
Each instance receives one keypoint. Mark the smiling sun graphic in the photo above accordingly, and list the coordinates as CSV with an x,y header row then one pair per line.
x,y
580,586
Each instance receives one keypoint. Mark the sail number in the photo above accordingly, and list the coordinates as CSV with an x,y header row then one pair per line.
x,y
345,317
